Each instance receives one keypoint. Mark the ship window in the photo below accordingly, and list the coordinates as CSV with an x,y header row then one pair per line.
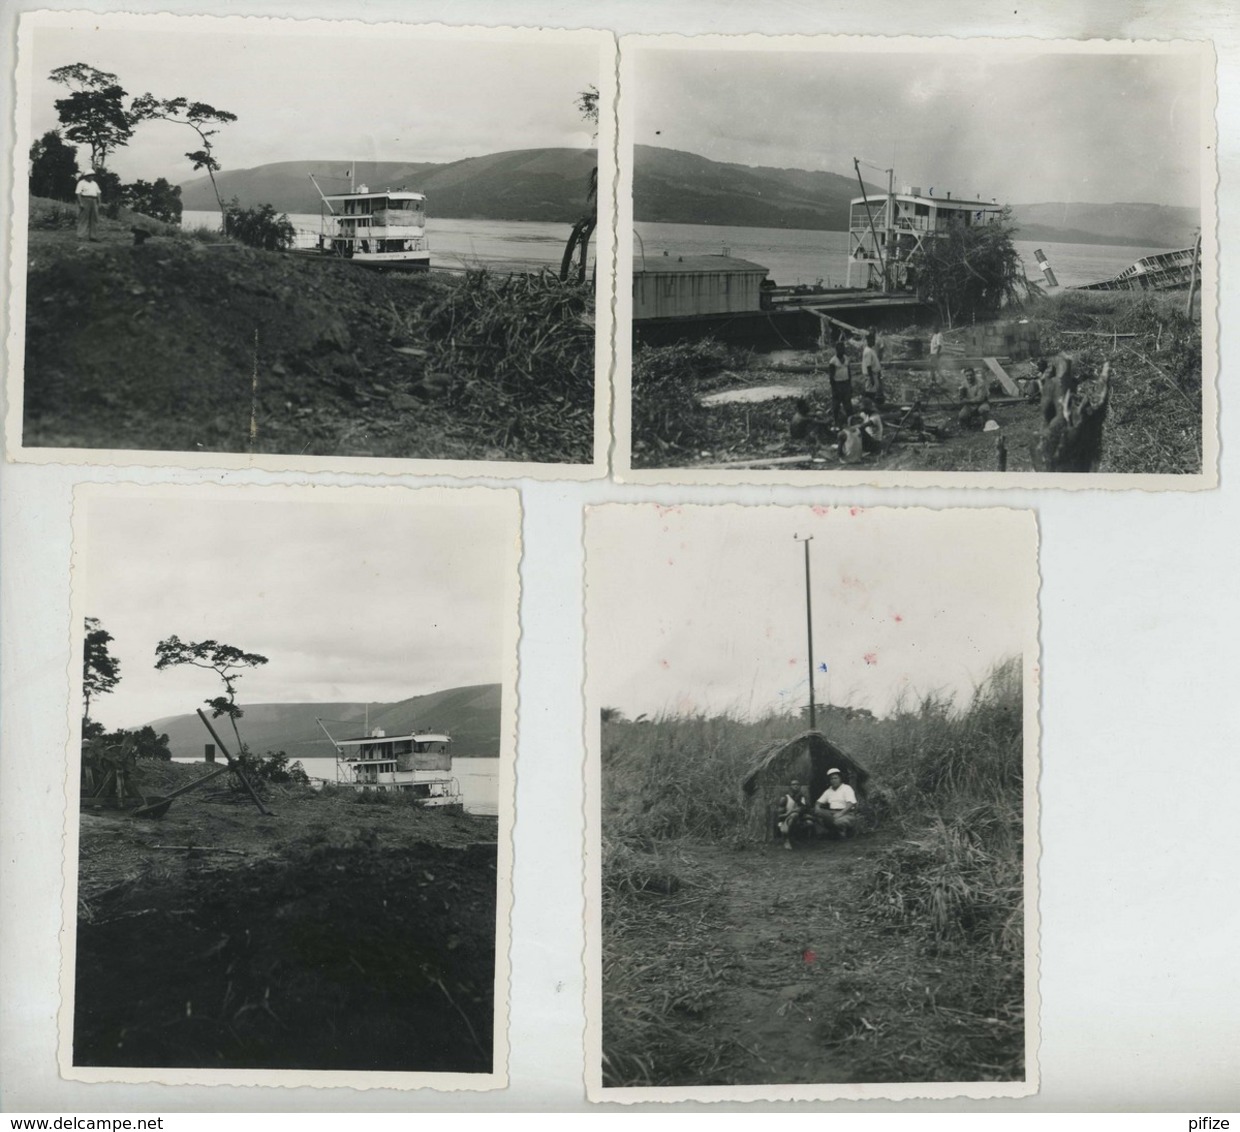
x,y
921,209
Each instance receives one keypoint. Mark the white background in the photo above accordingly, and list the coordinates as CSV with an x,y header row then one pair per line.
x,y
1140,787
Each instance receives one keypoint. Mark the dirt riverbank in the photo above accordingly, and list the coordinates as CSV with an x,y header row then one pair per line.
x,y
175,344
334,934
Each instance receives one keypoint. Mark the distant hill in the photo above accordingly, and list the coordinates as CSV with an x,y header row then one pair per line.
x,y
526,184
673,187
470,715
1141,225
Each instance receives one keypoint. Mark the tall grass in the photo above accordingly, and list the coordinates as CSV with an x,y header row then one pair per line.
x,y
958,792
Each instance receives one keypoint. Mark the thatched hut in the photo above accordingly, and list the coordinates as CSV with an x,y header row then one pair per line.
x,y
806,758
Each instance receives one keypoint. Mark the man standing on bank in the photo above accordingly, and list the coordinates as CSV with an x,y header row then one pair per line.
x,y
88,206
936,349
840,375
836,808
872,369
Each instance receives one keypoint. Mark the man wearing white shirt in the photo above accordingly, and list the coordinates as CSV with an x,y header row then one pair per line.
x,y
88,206
837,805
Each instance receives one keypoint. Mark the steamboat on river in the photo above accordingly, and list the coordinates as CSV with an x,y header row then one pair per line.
x,y
418,764
383,230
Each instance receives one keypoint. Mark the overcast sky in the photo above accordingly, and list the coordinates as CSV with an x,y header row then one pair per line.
x,y
1019,128
368,595
300,96
702,609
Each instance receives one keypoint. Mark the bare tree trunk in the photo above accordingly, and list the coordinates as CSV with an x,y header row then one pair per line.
x,y
218,199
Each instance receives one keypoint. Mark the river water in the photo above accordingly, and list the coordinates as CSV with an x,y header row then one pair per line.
x,y
479,779
502,245
802,256
793,255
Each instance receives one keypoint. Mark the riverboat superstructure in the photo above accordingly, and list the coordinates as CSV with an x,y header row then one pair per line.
x,y
888,233
418,764
384,229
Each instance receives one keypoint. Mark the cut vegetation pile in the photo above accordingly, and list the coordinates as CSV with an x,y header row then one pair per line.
x,y
158,347
900,953
1154,423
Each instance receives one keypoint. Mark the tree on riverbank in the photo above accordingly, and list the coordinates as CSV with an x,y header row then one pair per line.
x,y
94,112
158,199
228,662
199,117
973,271
101,671
53,167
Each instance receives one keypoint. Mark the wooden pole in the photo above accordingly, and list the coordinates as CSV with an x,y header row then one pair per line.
x,y
236,769
809,631
1192,285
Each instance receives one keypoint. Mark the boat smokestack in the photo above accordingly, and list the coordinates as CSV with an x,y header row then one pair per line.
x,y
1047,271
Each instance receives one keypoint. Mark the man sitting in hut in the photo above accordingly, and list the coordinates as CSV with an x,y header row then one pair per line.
x,y
836,809
791,812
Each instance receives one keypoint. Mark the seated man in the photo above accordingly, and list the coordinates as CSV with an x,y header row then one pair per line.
x,y
871,425
975,410
836,809
790,811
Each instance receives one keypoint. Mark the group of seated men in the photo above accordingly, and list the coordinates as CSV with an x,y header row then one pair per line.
x,y
834,813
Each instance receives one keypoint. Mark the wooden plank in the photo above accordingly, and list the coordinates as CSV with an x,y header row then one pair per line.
x,y
1000,373
834,321
756,462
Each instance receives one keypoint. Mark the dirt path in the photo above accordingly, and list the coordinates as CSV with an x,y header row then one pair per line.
x,y
791,928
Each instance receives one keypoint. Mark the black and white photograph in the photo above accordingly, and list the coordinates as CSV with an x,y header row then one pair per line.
x,y
288,244
812,802
288,850
914,261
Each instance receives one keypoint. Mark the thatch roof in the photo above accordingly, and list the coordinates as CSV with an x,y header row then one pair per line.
x,y
807,758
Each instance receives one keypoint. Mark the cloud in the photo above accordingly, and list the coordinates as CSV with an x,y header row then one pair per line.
x,y
1022,127
375,594
397,97
901,599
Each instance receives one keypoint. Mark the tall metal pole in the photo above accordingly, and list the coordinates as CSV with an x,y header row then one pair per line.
x,y
889,281
809,630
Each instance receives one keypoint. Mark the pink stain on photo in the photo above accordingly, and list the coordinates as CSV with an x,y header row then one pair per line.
x,y
870,658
